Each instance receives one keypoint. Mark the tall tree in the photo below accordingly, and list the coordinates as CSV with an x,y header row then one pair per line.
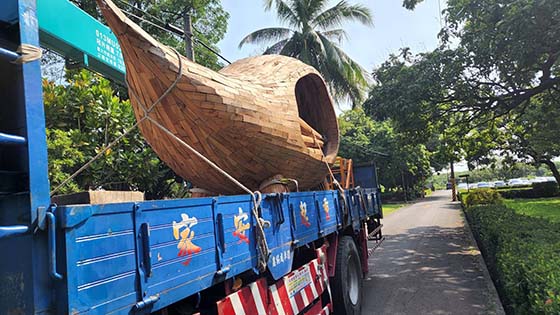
x,y
313,35
532,135
401,161
495,56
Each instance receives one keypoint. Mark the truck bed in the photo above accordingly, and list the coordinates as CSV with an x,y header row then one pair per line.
x,y
150,254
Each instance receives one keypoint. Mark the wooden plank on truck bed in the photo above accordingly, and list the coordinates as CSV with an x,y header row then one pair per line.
x,y
97,197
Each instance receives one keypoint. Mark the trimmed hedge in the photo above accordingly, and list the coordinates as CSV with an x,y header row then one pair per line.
x,y
515,187
523,257
544,190
536,190
518,193
481,196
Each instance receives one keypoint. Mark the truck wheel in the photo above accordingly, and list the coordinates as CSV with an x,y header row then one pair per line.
x,y
346,285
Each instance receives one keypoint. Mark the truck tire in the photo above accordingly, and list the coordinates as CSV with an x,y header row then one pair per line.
x,y
346,285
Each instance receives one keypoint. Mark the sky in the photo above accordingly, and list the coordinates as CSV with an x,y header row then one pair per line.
x,y
394,27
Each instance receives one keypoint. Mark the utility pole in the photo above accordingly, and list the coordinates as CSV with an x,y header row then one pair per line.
x,y
453,187
189,51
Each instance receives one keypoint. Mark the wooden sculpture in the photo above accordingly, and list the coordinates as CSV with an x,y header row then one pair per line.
x,y
257,118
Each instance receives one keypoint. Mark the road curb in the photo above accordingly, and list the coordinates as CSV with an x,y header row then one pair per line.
x,y
498,308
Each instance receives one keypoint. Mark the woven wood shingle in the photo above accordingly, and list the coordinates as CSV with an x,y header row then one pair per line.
x,y
256,118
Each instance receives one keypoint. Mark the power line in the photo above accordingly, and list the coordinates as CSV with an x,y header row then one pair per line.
x,y
143,12
170,28
147,21
180,32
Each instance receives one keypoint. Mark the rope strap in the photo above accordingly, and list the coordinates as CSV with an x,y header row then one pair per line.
x,y
256,196
282,181
127,131
335,181
28,53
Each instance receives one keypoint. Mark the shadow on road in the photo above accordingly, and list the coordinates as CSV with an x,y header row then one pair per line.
x,y
442,197
432,269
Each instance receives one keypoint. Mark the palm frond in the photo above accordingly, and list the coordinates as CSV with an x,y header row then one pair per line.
x,y
315,44
313,40
359,74
301,11
284,11
344,89
339,35
266,35
325,58
331,53
342,12
293,47
348,80
315,7
276,48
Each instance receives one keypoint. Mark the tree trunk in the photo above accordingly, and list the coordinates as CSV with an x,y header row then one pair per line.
x,y
553,169
452,179
404,187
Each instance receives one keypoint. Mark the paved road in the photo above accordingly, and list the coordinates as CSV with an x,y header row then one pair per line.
x,y
428,264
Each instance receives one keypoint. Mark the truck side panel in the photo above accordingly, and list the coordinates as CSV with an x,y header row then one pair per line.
x,y
110,269
152,254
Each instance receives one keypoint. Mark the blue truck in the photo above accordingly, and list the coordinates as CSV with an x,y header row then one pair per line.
x,y
193,255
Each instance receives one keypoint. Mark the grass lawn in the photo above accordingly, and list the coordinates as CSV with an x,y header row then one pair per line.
x,y
548,208
389,208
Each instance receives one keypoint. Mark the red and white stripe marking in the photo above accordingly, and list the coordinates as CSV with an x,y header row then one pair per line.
x,y
252,299
326,310
283,303
322,255
288,296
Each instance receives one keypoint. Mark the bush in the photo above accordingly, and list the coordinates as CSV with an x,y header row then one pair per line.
x,y
392,196
523,257
537,190
399,195
517,193
461,195
547,189
528,186
481,196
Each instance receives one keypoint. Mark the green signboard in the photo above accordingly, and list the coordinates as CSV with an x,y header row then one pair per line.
x,y
68,30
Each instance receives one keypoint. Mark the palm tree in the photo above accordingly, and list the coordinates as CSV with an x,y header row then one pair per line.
x,y
313,36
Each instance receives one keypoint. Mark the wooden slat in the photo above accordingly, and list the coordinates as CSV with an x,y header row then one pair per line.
x,y
311,142
308,130
253,118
